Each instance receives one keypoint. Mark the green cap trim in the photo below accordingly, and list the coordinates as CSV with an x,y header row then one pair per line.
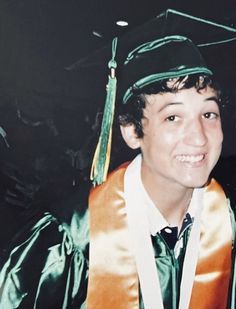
x,y
164,75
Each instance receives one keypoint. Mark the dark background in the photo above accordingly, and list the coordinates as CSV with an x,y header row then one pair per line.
x,y
50,109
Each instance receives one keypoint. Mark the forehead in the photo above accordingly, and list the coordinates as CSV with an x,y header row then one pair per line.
x,y
188,96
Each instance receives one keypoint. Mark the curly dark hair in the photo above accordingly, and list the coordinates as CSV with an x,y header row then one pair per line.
x,y
132,111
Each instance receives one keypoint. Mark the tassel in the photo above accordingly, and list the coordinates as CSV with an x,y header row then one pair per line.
x,y
102,154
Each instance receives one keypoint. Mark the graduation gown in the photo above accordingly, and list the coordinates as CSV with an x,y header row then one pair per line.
x,y
46,262
44,253
43,267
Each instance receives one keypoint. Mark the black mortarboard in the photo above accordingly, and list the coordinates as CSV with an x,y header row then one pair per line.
x,y
168,57
160,49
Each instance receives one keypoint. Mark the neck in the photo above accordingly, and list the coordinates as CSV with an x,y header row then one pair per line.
x,y
175,208
171,201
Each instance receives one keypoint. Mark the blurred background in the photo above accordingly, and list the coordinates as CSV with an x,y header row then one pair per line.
x,y
52,89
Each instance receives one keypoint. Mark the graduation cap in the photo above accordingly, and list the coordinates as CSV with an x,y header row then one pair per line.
x,y
207,35
161,49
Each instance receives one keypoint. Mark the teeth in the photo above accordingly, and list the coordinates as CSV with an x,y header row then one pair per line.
x,y
190,159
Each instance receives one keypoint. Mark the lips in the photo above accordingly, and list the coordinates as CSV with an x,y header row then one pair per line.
x,y
190,158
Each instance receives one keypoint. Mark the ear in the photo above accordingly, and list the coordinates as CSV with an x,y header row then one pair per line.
x,y
130,136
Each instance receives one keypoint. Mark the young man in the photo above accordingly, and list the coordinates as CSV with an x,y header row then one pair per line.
x,y
162,231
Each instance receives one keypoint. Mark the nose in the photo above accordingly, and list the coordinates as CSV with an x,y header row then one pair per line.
x,y
195,133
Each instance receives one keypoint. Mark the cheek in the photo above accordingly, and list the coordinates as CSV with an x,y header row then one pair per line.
x,y
221,135
160,138
169,138
217,136
215,142
161,143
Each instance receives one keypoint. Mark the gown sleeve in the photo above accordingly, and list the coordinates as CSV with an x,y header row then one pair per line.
x,y
46,265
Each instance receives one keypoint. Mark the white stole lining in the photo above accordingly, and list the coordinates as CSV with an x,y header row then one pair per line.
x,y
135,193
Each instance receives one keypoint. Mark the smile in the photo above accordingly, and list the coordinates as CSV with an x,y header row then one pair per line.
x,y
190,158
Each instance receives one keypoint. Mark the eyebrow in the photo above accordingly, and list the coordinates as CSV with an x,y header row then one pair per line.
x,y
169,104
212,98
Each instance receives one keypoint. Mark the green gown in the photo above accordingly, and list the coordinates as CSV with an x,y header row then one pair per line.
x,y
46,265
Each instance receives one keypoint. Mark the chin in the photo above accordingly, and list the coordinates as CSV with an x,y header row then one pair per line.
x,y
196,182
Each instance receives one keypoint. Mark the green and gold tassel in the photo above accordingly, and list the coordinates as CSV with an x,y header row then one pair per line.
x,y
102,154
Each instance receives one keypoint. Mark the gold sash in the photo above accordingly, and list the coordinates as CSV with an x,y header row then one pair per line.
x,y
210,288
113,279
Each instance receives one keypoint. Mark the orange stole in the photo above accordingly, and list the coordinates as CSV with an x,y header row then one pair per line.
x,y
210,288
113,279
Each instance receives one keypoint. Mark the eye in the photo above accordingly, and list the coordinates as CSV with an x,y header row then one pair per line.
x,y
210,115
171,118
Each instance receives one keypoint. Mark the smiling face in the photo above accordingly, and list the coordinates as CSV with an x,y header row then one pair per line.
x,y
182,137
